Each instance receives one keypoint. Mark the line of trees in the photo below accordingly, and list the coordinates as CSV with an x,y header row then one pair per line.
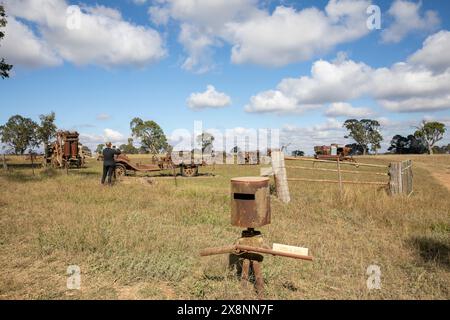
x,y
367,136
407,145
21,134
423,140
442,149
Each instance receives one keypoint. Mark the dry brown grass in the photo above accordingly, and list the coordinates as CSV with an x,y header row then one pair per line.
x,y
141,240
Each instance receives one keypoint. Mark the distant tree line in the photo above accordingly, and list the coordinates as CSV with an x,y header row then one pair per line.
x,y
407,145
442,149
423,140
367,137
21,134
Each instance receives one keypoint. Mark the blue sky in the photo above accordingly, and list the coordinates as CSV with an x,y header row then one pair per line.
x,y
156,59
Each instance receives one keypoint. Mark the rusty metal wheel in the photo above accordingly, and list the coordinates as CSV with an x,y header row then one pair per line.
x,y
121,171
189,171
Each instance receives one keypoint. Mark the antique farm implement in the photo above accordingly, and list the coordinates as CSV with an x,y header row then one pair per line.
x,y
65,152
333,153
124,166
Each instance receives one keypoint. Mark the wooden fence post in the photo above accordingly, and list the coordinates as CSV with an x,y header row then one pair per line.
x,y
401,177
395,178
408,177
279,171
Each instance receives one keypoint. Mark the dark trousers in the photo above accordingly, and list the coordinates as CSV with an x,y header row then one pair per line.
x,y
108,171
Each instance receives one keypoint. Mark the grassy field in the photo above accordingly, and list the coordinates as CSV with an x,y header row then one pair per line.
x,y
141,239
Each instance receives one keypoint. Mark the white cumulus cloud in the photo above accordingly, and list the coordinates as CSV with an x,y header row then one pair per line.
x,y
22,47
343,109
417,84
329,82
108,135
101,37
288,35
435,53
210,98
258,34
113,135
202,24
407,18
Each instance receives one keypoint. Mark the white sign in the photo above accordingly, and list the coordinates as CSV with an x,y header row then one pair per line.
x,y
290,249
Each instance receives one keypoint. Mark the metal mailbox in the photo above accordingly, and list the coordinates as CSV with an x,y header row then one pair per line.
x,y
250,202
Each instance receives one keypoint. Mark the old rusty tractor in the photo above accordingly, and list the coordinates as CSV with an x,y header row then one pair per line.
x,y
333,153
66,151
124,166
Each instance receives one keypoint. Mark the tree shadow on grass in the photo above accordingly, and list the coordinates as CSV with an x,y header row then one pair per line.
x,y
432,250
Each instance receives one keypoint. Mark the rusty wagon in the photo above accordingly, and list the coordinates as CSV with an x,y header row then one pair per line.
x,y
333,153
124,166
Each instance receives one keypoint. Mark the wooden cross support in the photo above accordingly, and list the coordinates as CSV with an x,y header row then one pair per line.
x,y
251,259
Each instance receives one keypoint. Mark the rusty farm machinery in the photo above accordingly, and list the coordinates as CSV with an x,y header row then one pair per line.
x,y
65,152
188,168
333,153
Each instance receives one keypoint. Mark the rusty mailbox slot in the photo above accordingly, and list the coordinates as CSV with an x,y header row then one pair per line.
x,y
244,196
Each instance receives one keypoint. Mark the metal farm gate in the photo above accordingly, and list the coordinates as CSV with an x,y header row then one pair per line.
x,y
399,175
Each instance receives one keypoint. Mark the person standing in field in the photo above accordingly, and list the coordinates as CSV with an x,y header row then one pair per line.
x,y
109,163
